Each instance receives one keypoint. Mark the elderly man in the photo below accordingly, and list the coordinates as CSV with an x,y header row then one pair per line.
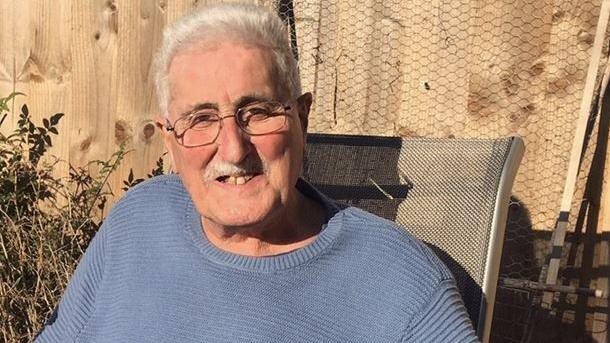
x,y
234,246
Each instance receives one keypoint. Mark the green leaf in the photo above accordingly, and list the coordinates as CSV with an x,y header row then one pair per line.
x,y
25,110
45,123
47,139
53,130
11,96
55,118
4,101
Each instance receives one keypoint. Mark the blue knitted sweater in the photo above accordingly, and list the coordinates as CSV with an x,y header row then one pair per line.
x,y
150,275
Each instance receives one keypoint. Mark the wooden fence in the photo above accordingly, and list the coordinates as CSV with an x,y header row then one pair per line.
x,y
452,69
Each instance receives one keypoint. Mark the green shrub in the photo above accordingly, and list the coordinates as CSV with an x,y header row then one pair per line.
x,y
46,222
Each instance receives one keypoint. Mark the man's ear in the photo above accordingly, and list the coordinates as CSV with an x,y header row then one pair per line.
x,y
303,107
161,123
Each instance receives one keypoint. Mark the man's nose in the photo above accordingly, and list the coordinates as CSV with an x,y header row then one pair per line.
x,y
233,144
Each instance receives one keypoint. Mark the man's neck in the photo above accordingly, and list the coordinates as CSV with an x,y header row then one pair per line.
x,y
296,227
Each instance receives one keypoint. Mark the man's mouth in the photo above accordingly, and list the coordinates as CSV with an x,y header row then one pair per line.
x,y
239,179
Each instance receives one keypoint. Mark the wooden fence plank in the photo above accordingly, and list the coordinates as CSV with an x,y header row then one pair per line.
x,y
94,50
140,25
435,37
600,318
16,36
323,117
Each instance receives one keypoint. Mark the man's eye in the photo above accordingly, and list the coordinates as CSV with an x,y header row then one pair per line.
x,y
257,114
203,121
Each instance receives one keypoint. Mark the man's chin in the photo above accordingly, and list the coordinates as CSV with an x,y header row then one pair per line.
x,y
238,224
243,211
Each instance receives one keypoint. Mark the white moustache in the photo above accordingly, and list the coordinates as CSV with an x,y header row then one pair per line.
x,y
249,166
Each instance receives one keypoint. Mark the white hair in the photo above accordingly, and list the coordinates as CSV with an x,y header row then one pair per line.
x,y
239,23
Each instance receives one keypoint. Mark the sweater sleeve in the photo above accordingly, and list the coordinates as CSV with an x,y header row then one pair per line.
x,y
442,319
78,301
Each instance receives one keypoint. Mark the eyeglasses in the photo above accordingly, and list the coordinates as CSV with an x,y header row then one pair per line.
x,y
203,127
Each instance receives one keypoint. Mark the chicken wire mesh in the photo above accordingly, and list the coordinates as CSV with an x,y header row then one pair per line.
x,y
462,68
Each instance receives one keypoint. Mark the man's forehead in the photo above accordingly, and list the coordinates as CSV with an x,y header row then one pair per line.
x,y
193,56
222,75
220,68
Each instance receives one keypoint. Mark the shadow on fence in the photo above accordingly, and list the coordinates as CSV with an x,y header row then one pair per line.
x,y
518,315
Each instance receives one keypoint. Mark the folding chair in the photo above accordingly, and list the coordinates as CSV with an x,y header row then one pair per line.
x,y
451,193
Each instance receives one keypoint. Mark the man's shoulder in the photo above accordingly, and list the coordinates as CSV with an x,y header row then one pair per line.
x,y
161,184
380,255
378,229
158,189
386,241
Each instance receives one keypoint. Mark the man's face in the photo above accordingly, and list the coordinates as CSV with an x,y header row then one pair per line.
x,y
228,76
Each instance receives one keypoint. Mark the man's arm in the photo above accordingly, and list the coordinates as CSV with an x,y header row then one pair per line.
x,y
442,319
78,301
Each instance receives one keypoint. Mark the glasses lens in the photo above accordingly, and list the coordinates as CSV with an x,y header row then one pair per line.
x,y
262,118
199,129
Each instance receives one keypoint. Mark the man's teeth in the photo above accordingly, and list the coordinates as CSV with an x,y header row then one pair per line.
x,y
238,180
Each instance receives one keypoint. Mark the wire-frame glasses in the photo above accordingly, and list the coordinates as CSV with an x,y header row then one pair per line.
x,y
203,127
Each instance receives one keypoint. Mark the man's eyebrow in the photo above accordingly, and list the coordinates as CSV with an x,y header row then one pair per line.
x,y
248,99
240,102
199,107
